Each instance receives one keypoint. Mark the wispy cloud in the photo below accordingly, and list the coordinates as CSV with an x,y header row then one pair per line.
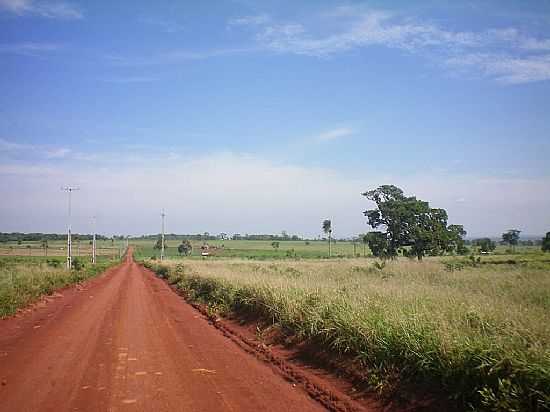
x,y
506,55
8,147
164,25
173,57
335,134
29,48
48,9
58,153
505,68
362,30
255,20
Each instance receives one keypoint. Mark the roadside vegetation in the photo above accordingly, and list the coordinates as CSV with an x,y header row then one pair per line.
x,y
24,279
480,332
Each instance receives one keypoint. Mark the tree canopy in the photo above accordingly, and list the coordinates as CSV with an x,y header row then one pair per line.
x,y
185,247
409,222
546,243
511,237
485,244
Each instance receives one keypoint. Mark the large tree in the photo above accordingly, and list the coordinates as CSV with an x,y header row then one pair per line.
x,y
409,222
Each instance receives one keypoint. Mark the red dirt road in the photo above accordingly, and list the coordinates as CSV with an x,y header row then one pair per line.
x,y
127,342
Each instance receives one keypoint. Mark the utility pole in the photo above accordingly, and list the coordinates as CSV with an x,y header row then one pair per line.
x,y
93,241
162,237
69,190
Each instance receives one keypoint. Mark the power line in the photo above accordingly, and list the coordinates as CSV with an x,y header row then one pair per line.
x,y
69,190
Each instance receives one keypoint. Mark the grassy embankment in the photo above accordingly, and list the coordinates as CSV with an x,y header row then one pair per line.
x,y
25,279
480,333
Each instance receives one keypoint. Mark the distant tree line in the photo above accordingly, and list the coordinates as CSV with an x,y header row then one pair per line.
x,y
222,236
37,237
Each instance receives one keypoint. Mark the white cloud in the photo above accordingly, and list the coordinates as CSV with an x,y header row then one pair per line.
x,y
361,30
335,134
228,192
355,27
48,9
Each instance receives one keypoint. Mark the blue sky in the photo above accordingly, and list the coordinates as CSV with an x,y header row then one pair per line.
x,y
262,116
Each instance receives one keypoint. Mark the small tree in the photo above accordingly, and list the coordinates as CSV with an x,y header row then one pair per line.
x,y
185,248
275,245
327,228
44,245
365,241
511,237
546,243
485,245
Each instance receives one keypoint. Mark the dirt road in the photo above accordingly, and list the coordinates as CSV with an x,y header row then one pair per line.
x,y
127,342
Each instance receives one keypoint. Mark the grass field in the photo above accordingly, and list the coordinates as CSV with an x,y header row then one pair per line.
x,y
59,248
479,331
23,279
262,249
255,249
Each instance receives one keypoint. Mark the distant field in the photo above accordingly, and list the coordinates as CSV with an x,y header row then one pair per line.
x,y
263,249
59,248
256,249
480,331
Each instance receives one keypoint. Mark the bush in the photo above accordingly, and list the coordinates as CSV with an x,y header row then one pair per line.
x,y
77,264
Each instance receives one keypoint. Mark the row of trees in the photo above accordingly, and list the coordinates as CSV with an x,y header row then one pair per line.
x,y
224,236
38,237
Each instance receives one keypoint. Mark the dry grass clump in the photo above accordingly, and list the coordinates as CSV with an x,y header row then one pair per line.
x,y
480,332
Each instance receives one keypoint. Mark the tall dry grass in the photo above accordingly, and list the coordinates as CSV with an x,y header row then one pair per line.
x,y
481,333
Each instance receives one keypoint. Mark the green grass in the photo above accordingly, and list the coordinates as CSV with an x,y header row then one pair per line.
x,y
480,333
255,249
24,279
58,248
262,249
